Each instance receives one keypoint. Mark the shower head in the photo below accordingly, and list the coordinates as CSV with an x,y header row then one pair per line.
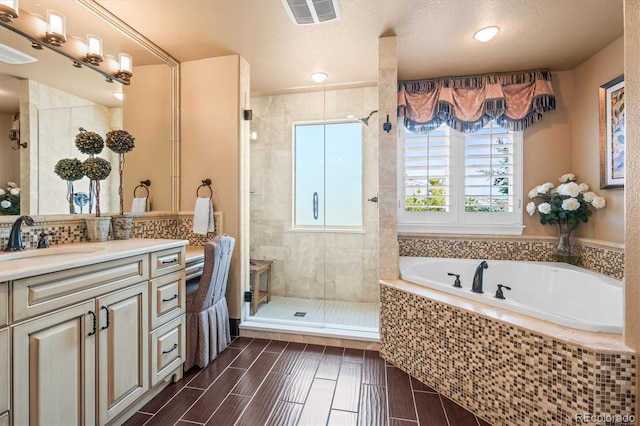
x,y
365,121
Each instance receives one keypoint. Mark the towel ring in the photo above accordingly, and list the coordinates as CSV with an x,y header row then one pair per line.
x,y
143,184
207,183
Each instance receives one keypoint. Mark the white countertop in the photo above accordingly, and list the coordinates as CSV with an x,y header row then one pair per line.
x,y
15,265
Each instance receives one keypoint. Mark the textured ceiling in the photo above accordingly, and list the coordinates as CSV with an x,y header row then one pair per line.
x,y
434,37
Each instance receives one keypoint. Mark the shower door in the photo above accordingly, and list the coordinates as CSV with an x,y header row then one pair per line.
x,y
310,180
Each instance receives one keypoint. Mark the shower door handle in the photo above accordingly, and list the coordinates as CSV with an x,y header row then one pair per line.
x,y
315,206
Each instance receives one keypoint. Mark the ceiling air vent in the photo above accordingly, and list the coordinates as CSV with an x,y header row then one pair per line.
x,y
12,56
303,12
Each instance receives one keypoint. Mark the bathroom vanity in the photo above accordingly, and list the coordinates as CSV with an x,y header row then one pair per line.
x,y
90,331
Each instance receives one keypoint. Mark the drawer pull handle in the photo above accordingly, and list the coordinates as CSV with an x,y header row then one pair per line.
x,y
167,262
106,326
175,296
173,348
95,320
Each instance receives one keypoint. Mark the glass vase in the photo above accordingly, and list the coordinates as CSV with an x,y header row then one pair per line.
x,y
564,251
564,239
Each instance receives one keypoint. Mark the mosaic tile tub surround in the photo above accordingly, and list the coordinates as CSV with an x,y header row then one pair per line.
x,y
596,256
505,372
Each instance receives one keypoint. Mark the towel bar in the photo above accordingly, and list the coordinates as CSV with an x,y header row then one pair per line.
x,y
143,184
207,183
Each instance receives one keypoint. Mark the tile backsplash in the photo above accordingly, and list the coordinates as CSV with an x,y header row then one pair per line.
x,y
69,229
597,256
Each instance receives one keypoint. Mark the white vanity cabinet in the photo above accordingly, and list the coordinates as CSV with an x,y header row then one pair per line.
x,y
83,349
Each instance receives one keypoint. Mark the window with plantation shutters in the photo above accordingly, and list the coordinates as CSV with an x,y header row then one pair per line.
x,y
461,183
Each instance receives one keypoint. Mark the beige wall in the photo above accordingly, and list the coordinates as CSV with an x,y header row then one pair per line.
x,y
632,191
147,117
9,158
547,149
606,224
210,147
567,141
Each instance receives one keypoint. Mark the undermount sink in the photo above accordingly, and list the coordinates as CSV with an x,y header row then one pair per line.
x,y
47,252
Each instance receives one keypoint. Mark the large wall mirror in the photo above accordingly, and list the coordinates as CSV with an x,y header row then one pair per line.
x,y
49,100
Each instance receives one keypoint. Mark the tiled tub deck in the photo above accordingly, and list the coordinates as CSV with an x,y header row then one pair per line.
x,y
505,367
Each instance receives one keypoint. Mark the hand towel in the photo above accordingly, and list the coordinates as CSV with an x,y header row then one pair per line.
x,y
203,216
139,205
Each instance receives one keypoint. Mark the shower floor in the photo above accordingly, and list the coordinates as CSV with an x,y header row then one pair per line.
x,y
336,314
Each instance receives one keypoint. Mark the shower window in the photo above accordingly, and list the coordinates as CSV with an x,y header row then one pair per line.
x,y
455,182
328,175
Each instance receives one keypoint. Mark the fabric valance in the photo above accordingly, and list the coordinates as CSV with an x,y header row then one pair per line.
x,y
514,100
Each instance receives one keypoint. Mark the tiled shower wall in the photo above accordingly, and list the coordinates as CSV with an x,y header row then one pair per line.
x,y
597,256
314,265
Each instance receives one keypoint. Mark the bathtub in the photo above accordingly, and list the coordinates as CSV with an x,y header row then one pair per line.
x,y
557,292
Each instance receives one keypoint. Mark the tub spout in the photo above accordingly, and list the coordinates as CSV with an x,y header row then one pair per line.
x,y
477,277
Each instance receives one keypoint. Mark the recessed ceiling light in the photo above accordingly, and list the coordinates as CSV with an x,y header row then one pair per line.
x,y
486,34
318,77
118,95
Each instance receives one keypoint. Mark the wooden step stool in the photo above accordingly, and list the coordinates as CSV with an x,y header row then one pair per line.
x,y
256,269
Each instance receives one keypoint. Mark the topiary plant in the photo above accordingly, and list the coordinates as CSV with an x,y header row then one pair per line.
x,y
120,142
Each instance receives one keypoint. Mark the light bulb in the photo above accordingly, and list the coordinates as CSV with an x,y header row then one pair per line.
x,y
486,34
318,77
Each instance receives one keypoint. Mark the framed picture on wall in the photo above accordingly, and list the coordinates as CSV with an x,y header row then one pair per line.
x,y
612,134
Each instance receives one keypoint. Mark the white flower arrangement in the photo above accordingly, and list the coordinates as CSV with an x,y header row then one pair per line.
x,y
10,199
569,203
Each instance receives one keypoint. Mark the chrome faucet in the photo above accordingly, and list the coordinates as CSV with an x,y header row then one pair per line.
x,y
15,237
477,277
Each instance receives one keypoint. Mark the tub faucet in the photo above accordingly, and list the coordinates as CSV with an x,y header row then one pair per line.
x,y
477,277
15,237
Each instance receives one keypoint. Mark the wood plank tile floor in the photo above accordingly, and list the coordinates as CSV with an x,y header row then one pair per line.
x,y
269,382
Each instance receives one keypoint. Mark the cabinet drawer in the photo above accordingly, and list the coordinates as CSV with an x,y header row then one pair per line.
x,y
4,304
43,293
167,298
167,261
167,349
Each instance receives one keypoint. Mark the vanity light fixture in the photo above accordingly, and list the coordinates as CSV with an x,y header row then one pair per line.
x,y
55,35
56,28
319,77
124,67
486,34
8,10
94,50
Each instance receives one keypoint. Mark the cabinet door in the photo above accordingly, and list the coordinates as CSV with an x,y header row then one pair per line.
x,y
123,350
54,368
4,369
